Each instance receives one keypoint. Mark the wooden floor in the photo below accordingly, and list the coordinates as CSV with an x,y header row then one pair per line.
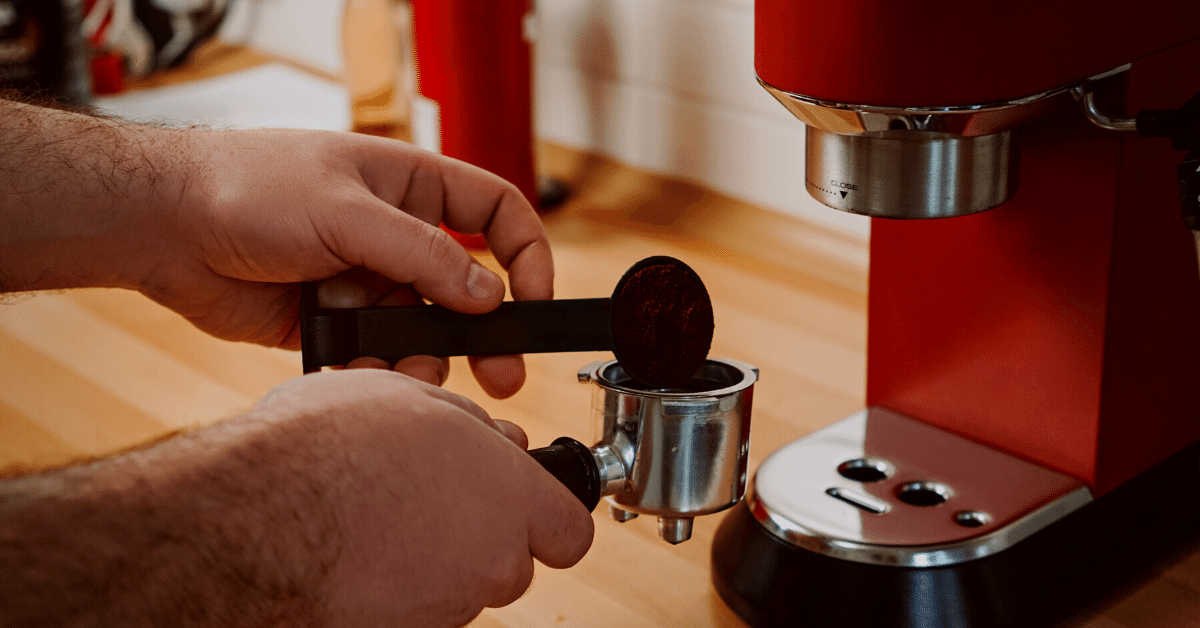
x,y
86,372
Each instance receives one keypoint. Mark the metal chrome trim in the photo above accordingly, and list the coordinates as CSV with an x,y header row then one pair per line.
x,y
1087,100
800,519
911,174
859,500
925,555
598,372
840,117
614,472
916,162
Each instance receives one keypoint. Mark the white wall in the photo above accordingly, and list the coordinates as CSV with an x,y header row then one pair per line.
x,y
669,86
306,31
663,85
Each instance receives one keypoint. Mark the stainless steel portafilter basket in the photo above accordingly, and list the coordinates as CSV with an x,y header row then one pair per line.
x,y
673,453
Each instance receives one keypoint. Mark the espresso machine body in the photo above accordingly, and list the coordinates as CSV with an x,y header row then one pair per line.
x,y
1033,292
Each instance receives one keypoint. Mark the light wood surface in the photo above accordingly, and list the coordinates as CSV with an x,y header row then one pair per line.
x,y
91,371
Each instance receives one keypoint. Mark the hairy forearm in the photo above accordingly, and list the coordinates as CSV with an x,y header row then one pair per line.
x,y
188,532
79,193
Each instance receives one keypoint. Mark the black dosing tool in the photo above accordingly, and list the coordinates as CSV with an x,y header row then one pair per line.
x,y
658,323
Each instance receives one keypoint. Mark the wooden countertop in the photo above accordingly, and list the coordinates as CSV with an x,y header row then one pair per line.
x,y
90,371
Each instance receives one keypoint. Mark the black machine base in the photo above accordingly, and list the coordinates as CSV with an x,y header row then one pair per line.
x,y
1072,567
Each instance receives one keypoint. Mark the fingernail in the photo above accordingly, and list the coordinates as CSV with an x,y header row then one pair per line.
x,y
482,283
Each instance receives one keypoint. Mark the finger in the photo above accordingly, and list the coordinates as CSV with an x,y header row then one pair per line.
x,y
401,294
355,287
408,250
367,363
469,200
462,403
513,230
513,432
510,431
519,578
454,400
500,376
425,368
561,529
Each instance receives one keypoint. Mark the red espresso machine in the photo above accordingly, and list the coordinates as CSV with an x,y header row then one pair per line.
x,y
1030,441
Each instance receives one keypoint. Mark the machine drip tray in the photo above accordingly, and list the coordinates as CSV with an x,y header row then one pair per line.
x,y
880,520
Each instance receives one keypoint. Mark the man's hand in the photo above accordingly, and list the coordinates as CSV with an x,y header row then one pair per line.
x,y
272,208
458,507
354,498
222,225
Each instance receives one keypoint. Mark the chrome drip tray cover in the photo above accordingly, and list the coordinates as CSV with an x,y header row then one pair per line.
x,y
881,488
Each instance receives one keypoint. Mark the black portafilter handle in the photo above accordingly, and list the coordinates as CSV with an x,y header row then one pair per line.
x,y
574,465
